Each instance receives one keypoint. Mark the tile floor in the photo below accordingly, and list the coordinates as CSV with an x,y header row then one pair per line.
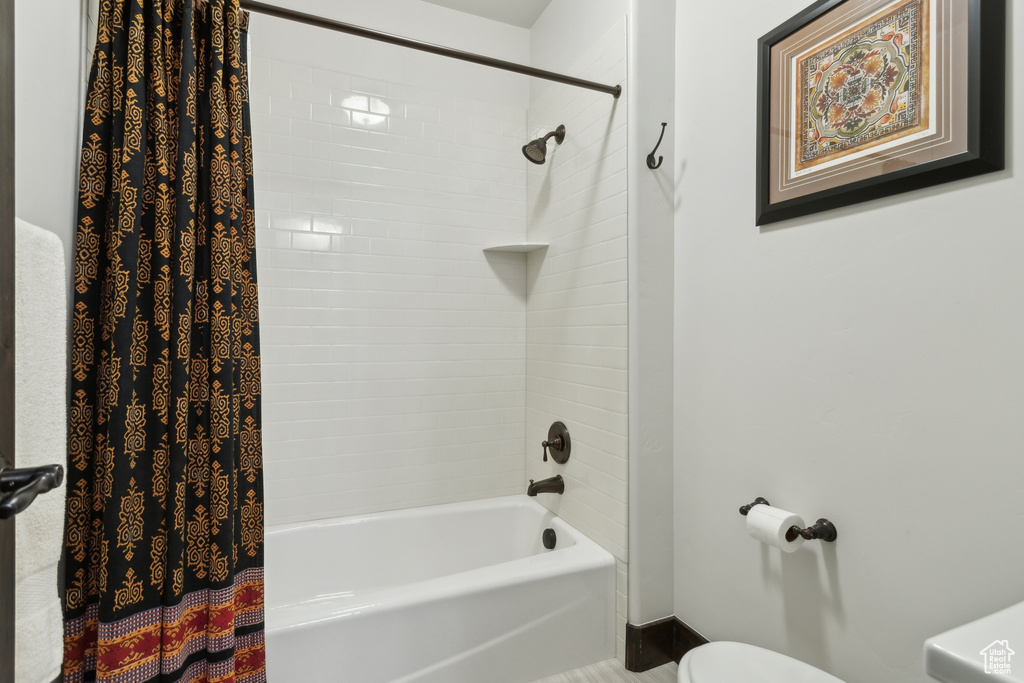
x,y
612,671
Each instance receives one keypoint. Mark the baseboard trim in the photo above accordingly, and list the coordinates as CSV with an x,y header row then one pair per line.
x,y
659,642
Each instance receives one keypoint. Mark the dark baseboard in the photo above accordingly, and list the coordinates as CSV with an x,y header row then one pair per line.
x,y
659,642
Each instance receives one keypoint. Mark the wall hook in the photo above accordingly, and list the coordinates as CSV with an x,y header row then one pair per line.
x,y
651,163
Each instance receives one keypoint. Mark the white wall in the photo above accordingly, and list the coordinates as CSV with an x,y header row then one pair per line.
x,y
49,70
862,365
425,22
651,209
566,30
560,36
576,320
393,347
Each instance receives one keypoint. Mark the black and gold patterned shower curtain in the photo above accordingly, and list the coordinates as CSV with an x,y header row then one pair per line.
x,y
164,542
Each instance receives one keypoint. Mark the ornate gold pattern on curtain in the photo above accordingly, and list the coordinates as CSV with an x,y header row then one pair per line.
x,y
164,577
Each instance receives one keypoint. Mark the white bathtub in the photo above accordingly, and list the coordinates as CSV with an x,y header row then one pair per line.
x,y
459,593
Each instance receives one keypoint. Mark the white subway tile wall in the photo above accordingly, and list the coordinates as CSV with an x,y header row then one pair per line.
x,y
393,347
576,317
402,365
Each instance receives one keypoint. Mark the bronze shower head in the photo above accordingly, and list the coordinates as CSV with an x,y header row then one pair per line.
x,y
537,150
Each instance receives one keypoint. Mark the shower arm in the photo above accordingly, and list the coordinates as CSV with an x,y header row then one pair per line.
x,y
352,29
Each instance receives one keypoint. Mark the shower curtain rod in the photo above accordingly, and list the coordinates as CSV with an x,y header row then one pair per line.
x,y
313,20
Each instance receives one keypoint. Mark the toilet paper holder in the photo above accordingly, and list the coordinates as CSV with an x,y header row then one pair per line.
x,y
822,530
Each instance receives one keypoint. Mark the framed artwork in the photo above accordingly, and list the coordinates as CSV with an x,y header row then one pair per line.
x,y
860,99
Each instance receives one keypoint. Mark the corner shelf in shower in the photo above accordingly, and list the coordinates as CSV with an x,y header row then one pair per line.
x,y
518,247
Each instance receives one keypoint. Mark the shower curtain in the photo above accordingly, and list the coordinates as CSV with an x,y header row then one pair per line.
x,y
164,540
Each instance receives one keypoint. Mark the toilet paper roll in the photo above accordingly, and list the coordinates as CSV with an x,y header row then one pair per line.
x,y
769,525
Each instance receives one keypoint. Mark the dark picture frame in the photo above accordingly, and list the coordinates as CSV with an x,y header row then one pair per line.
x,y
954,93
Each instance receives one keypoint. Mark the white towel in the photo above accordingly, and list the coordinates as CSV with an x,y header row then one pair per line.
x,y
40,422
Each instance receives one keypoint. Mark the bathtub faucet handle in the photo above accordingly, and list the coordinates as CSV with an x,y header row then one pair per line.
x,y
558,442
556,445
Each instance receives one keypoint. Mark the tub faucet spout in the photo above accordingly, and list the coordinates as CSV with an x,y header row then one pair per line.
x,y
553,484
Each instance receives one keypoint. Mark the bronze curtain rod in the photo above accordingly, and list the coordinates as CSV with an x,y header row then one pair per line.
x,y
313,20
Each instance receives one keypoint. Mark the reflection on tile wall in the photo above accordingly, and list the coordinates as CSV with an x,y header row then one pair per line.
x,y
393,348
576,317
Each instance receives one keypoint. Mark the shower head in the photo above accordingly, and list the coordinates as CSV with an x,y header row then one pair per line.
x,y
537,150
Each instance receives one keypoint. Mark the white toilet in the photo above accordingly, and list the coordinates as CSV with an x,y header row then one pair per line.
x,y
726,662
